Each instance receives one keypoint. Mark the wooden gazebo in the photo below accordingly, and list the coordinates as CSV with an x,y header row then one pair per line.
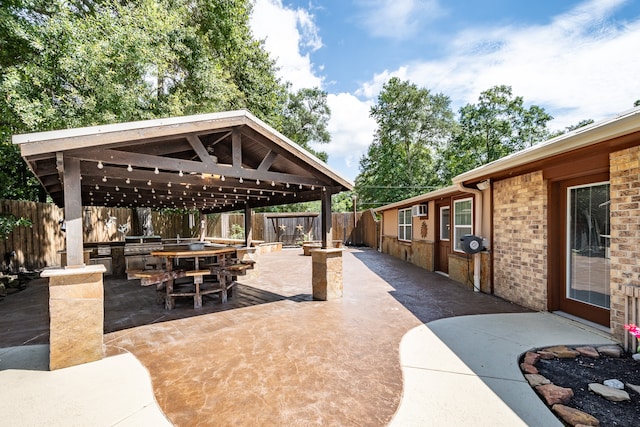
x,y
212,162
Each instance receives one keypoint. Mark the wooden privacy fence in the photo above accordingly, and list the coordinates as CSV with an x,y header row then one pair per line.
x,y
37,246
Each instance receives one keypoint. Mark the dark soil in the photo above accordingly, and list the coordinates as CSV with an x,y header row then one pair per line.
x,y
578,373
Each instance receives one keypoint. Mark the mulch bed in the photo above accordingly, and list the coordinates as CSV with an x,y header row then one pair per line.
x,y
579,372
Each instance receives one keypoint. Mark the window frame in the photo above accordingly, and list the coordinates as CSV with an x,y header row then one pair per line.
x,y
407,228
457,245
448,225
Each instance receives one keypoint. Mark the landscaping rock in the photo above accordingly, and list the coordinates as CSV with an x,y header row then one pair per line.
x,y
528,369
608,393
610,350
636,357
546,355
613,383
574,417
633,387
588,351
536,380
531,358
562,352
553,394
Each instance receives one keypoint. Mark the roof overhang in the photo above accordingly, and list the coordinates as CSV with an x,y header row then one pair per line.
x,y
423,198
624,124
214,162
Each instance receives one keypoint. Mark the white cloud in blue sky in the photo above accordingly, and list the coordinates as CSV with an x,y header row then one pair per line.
x,y
397,19
579,63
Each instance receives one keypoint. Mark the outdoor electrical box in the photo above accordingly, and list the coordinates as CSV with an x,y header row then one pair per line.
x,y
471,244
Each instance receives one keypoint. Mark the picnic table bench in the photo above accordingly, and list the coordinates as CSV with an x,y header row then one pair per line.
x,y
225,272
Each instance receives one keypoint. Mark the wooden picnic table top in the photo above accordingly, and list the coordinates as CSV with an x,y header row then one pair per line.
x,y
185,253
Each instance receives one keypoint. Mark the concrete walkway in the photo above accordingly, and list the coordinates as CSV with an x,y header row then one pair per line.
x,y
464,370
115,391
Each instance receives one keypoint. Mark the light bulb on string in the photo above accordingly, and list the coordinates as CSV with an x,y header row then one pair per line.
x,y
287,185
222,178
104,179
100,165
273,183
129,168
257,182
149,182
180,173
169,184
117,188
156,171
128,181
241,181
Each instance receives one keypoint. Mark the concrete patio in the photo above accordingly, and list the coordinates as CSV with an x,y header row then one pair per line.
x,y
273,356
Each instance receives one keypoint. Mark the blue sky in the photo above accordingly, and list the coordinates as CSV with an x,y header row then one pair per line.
x,y
577,59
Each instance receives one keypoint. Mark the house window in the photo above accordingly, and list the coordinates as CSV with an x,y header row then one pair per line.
x,y
445,223
462,221
404,224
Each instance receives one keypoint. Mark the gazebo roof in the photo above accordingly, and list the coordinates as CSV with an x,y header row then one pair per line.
x,y
214,162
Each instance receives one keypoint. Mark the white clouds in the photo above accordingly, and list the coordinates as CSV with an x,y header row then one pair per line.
x,y
579,66
397,19
290,35
351,131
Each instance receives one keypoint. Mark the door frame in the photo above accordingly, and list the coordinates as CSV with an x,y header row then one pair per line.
x,y
557,254
438,242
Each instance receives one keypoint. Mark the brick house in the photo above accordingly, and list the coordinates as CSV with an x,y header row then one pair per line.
x,y
560,222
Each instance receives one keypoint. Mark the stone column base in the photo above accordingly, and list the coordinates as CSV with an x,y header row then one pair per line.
x,y
326,274
76,312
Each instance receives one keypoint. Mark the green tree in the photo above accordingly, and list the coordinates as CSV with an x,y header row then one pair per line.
x,y
67,64
412,124
306,117
498,125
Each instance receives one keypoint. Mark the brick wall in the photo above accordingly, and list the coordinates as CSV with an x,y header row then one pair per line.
x,y
625,232
520,240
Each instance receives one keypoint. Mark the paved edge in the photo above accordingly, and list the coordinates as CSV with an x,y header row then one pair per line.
x,y
114,391
464,370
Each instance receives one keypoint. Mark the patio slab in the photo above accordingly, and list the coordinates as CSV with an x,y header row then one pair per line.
x,y
273,355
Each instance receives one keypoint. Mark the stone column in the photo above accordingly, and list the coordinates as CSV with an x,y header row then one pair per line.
x,y
76,315
326,274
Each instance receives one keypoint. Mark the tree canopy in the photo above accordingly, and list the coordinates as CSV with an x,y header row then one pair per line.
x,y
412,124
66,64
419,146
497,125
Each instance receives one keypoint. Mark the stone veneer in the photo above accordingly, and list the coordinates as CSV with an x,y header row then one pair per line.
x,y
520,240
326,276
418,252
76,312
625,231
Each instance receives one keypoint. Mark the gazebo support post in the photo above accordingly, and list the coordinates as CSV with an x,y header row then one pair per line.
x,y
248,225
326,262
76,293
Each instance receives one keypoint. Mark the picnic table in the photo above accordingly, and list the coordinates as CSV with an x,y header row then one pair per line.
x,y
223,258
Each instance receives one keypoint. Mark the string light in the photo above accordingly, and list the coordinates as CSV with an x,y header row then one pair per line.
x,y
313,187
129,168
97,187
300,187
180,173
287,185
156,171
104,179
188,186
100,165
257,182
169,184
135,189
153,190
149,182
204,188
241,180
128,181
235,190
222,178
117,188
273,183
